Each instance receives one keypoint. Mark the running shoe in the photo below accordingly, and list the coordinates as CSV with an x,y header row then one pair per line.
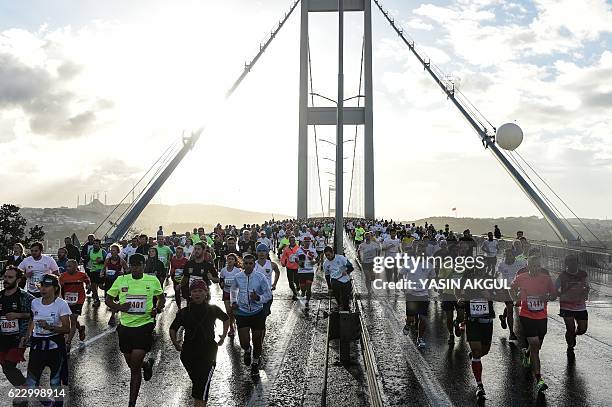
x,y
457,328
526,359
246,358
541,386
406,329
480,393
512,337
255,369
81,333
147,369
502,320
421,343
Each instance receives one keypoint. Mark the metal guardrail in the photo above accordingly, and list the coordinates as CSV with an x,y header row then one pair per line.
x,y
597,264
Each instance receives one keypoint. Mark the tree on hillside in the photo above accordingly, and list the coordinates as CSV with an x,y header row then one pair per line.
x,y
12,228
37,234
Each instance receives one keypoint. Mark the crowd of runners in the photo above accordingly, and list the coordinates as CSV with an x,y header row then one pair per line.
x,y
43,296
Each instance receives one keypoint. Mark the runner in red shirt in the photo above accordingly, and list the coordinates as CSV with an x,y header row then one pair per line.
x,y
535,288
74,283
177,265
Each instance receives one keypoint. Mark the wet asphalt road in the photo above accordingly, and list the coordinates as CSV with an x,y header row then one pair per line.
x,y
294,362
441,374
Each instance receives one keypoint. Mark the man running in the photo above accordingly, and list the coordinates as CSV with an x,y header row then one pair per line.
x,y
73,284
338,268
132,295
177,269
164,254
507,270
535,289
366,252
266,266
15,308
573,288
114,266
392,247
226,281
199,348
200,267
306,258
36,266
417,295
479,317
96,257
289,261
250,292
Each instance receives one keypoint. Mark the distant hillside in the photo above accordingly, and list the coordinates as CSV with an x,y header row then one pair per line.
x,y
534,228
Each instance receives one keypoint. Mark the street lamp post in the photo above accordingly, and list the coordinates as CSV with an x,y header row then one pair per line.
x,y
339,227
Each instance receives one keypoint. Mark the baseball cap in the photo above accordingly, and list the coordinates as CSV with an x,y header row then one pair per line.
x,y
50,280
262,247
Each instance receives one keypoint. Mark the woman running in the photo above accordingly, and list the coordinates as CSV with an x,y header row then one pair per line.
x,y
47,330
114,266
228,273
199,348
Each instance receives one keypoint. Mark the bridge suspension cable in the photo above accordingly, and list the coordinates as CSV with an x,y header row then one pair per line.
x,y
348,210
315,126
486,131
153,187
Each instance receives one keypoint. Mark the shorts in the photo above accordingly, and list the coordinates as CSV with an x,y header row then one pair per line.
x,y
416,305
140,337
9,349
305,278
76,309
256,322
94,276
200,373
532,328
449,305
478,331
577,315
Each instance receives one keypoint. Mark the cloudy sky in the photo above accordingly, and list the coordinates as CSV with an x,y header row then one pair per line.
x,y
92,92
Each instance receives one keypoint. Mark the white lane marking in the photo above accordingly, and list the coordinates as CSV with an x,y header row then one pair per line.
x,y
261,391
433,390
91,340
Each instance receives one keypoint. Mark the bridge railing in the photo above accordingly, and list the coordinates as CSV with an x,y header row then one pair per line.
x,y
596,262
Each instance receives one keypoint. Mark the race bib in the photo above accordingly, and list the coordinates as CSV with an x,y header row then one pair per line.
x,y
178,274
110,273
162,259
228,282
8,327
40,331
535,304
194,278
71,298
479,308
292,258
34,280
137,303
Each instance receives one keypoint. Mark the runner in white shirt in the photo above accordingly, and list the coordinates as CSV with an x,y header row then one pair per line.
x,y
130,249
226,280
489,247
188,248
319,247
36,266
306,259
337,267
50,323
263,239
507,270
391,246
366,252
417,295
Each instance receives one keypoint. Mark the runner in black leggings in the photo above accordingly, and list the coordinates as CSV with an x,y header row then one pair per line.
x,y
199,348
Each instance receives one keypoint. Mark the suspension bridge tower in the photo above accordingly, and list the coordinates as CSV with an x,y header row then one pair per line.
x,y
327,116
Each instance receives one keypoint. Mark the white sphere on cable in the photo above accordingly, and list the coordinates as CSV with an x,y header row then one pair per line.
x,y
509,136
